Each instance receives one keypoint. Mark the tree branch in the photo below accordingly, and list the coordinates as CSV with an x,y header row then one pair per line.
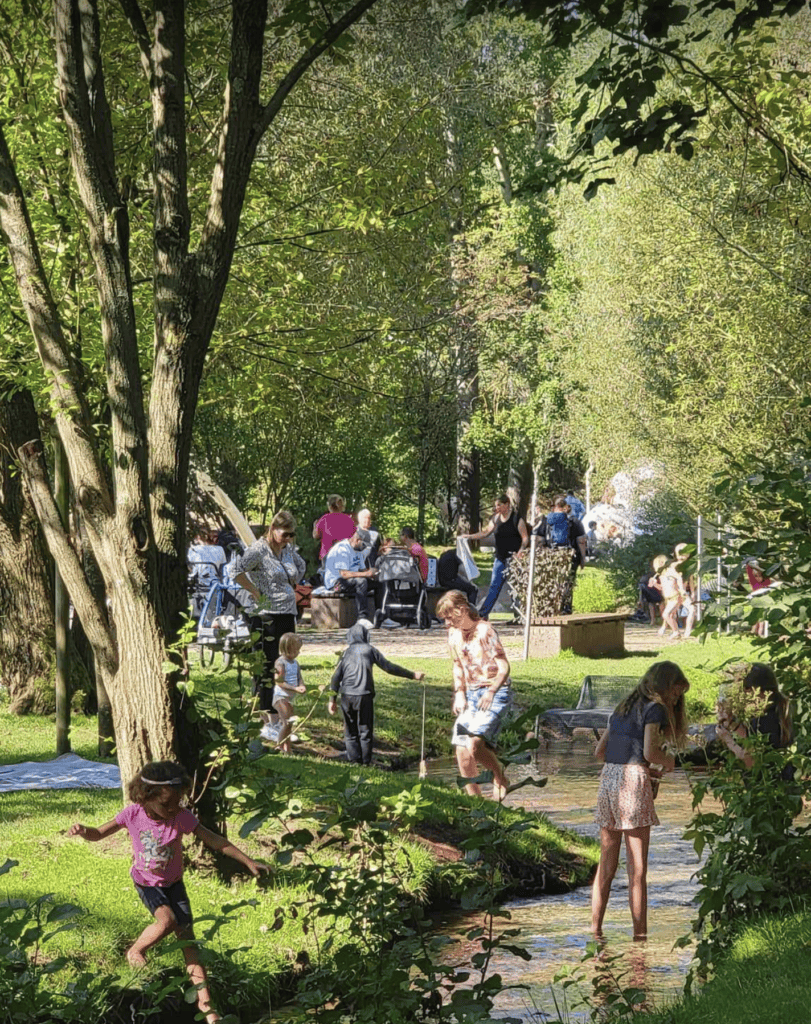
x,y
171,236
71,411
87,116
135,17
332,34
90,611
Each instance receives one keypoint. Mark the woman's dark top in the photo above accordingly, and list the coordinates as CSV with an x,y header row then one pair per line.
x,y
353,673
626,733
769,725
507,538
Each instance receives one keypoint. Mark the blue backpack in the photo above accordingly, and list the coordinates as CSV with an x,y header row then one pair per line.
x,y
557,530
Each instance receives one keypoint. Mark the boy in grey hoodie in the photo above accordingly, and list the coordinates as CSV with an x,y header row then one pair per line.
x,y
353,677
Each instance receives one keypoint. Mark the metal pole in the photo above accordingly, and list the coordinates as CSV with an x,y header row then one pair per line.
x,y
699,557
588,486
718,561
61,610
533,543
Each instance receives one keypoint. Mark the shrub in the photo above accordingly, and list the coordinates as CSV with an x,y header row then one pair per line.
x,y
595,592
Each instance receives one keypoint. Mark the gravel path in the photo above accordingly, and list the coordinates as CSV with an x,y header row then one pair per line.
x,y
432,643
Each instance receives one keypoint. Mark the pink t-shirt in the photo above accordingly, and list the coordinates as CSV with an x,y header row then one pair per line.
x,y
332,527
157,846
417,551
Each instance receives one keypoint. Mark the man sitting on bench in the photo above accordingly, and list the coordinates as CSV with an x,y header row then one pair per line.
x,y
345,570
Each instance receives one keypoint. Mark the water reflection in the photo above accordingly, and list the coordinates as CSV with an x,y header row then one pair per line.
x,y
555,929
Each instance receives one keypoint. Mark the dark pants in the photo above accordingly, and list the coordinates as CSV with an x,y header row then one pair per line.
x,y
270,629
359,723
470,590
358,587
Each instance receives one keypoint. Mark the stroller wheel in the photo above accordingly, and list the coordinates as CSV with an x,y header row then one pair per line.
x,y
378,619
206,655
425,619
227,657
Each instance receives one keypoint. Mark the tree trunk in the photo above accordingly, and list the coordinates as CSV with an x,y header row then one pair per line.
x,y
467,459
26,573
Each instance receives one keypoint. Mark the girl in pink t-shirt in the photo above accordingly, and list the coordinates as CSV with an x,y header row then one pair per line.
x,y
157,822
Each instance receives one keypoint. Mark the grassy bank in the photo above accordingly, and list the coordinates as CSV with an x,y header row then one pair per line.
x,y
262,935
764,980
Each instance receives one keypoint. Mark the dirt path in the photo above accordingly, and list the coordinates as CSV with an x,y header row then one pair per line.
x,y
432,643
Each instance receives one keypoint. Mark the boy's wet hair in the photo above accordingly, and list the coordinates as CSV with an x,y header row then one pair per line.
x,y
154,777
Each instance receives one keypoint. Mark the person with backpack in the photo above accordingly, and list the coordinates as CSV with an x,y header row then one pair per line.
x,y
510,535
564,531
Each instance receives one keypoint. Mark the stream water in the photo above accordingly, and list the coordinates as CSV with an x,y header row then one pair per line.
x,y
555,929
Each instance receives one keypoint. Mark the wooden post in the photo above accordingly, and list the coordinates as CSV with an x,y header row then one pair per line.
x,y
62,609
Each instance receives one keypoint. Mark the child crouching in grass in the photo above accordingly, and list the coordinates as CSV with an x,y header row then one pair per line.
x,y
157,822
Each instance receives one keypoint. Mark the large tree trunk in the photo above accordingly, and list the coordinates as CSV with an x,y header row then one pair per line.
x,y
26,573
135,526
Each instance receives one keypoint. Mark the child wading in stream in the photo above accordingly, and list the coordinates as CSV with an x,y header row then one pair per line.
x,y
634,740
157,822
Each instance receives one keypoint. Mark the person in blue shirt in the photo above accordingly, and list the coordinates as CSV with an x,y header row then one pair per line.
x,y
346,565
576,505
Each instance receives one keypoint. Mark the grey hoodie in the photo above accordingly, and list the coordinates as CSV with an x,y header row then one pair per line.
x,y
353,673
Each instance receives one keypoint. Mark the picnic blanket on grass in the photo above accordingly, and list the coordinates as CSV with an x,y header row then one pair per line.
x,y
68,771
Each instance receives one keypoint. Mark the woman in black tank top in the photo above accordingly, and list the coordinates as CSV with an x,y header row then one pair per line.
x,y
511,537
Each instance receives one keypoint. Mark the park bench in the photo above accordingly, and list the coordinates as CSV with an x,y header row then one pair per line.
x,y
599,695
591,634
332,611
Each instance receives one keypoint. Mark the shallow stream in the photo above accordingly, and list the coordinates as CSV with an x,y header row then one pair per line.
x,y
555,929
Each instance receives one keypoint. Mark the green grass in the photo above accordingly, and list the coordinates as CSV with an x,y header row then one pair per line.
x,y
255,955
765,980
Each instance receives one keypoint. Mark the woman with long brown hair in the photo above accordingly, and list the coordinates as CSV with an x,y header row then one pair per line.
x,y
650,717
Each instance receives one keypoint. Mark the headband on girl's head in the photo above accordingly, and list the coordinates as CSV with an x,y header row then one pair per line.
x,y
163,782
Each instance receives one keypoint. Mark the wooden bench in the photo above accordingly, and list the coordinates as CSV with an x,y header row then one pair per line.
x,y
591,635
331,611
599,695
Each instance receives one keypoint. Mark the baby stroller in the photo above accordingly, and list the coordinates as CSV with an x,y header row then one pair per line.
x,y
404,597
221,626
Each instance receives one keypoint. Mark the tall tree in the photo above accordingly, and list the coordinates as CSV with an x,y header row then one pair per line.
x,y
26,576
133,504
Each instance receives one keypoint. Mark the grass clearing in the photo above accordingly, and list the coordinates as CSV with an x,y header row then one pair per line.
x,y
765,979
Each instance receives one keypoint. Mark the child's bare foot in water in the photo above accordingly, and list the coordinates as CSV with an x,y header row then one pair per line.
x,y
135,958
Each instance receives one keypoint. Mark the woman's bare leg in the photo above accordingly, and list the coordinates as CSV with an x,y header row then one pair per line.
x,y
610,842
637,841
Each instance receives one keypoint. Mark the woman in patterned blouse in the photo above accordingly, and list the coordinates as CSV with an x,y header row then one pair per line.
x,y
269,570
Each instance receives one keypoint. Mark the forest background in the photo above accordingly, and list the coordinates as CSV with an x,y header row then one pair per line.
x,y
444,271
